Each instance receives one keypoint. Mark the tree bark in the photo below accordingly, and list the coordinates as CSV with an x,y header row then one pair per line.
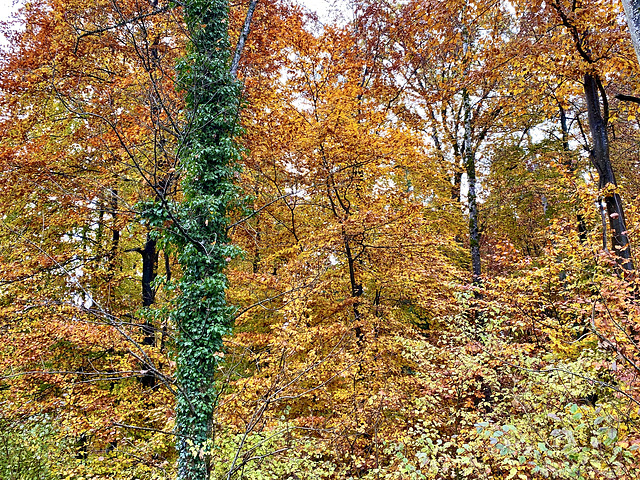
x,y
149,271
356,287
602,163
470,167
243,38
632,12
115,234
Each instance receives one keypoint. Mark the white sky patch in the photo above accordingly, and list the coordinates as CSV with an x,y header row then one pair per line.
x,y
295,191
7,9
383,185
327,10
321,7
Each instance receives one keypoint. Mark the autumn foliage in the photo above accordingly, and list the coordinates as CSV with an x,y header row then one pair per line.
x,y
433,272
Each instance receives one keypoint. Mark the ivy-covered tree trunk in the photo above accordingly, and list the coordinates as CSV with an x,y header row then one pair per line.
x,y
208,155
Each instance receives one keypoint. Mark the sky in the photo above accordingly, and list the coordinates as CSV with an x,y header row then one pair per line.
x,y
322,7
6,7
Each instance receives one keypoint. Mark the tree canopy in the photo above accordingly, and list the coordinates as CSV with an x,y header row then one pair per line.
x,y
238,241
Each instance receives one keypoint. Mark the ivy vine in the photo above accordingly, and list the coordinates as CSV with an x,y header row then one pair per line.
x,y
208,155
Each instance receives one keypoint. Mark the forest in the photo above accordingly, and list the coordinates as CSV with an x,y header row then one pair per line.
x,y
241,241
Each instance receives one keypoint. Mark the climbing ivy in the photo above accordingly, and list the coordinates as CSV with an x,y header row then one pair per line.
x,y
208,155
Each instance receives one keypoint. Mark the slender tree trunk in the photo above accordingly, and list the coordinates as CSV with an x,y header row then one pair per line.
x,y
582,228
256,256
243,38
115,233
602,163
632,12
112,255
356,287
149,271
470,167
456,187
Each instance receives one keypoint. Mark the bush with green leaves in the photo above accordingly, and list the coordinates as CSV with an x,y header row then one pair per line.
x,y
25,450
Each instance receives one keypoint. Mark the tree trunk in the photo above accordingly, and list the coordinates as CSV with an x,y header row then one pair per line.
x,y
602,163
632,12
243,38
582,227
456,187
149,272
208,153
115,235
470,167
356,287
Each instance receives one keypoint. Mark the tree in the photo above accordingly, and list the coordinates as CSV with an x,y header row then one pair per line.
x,y
348,253
89,139
340,343
208,155
632,12
455,86
598,115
